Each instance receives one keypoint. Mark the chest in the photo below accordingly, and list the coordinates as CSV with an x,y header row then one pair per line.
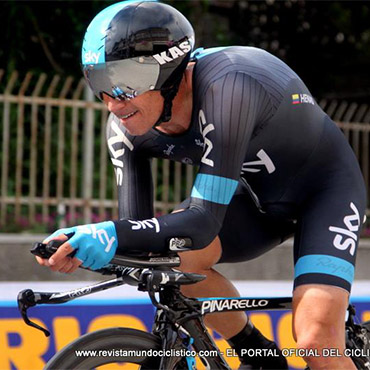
x,y
187,148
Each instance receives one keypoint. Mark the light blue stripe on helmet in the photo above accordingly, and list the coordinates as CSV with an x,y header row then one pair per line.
x,y
214,188
324,264
93,47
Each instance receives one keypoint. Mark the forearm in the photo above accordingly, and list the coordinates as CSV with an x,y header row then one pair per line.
x,y
193,228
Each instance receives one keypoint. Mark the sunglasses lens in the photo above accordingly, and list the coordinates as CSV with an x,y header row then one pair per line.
x,y
121,79
119,94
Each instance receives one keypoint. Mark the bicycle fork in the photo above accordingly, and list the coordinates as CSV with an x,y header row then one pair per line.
x,y
203,343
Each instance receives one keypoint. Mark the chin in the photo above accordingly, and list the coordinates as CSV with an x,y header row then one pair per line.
x,y
137,131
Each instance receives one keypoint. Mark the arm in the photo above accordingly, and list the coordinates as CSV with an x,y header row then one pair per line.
x,y
231,107
133,172
96,244
230,110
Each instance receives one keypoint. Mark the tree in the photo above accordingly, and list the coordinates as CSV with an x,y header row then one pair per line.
x,y
326,42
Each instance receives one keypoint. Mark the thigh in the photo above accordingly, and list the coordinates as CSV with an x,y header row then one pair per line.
x,y
247,233
201,259
328,233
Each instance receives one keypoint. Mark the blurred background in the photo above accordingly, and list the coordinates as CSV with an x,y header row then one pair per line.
x,y
326,42
54,163
55,169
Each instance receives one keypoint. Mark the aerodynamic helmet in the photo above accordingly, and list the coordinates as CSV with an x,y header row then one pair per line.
x,y
136,46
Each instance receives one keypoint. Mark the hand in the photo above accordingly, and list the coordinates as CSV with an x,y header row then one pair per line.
x,y
95,244
64,264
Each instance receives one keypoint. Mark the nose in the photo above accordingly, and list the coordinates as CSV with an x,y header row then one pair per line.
x,y
111,103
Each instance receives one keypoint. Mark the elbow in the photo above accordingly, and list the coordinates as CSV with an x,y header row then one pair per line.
x,y
206,233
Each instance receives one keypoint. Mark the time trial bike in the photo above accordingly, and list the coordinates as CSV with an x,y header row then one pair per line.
x,y
178,332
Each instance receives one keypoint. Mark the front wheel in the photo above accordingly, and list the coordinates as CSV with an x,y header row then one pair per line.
x,y
108,346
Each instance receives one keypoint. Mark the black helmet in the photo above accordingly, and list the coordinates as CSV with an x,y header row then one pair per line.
x,y
136,46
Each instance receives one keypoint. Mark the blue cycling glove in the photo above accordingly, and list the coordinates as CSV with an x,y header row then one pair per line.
x,y
96,244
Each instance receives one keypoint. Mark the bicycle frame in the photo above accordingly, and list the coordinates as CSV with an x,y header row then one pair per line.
x,y
192,324
178,319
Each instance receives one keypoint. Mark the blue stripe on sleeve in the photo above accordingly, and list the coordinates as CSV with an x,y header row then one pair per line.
x,y
325,264
214,188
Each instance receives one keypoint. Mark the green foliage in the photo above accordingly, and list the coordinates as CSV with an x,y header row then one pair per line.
x,y
326,42
45,35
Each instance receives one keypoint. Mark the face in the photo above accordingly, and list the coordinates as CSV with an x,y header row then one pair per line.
x,y
139,114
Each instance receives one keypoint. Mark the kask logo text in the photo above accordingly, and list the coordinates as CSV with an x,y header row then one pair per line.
x,y
172,53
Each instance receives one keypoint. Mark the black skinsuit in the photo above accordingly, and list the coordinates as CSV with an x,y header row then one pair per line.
x,y
272,164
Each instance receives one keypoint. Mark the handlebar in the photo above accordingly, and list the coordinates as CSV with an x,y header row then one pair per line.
x,y
173,260
149,274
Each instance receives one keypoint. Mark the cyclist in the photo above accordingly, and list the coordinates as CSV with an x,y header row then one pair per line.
x,y
271,164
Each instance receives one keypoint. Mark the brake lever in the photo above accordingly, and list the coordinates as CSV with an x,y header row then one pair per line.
x,y
26,299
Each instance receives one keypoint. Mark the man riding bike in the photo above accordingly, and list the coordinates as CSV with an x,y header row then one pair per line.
x,y
272,164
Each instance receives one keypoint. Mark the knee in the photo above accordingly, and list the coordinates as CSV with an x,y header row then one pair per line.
x,y
308,346
310,340
194,262
320,334
313,342
318,322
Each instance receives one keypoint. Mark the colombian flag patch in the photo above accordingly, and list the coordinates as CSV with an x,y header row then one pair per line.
x,y
295,99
